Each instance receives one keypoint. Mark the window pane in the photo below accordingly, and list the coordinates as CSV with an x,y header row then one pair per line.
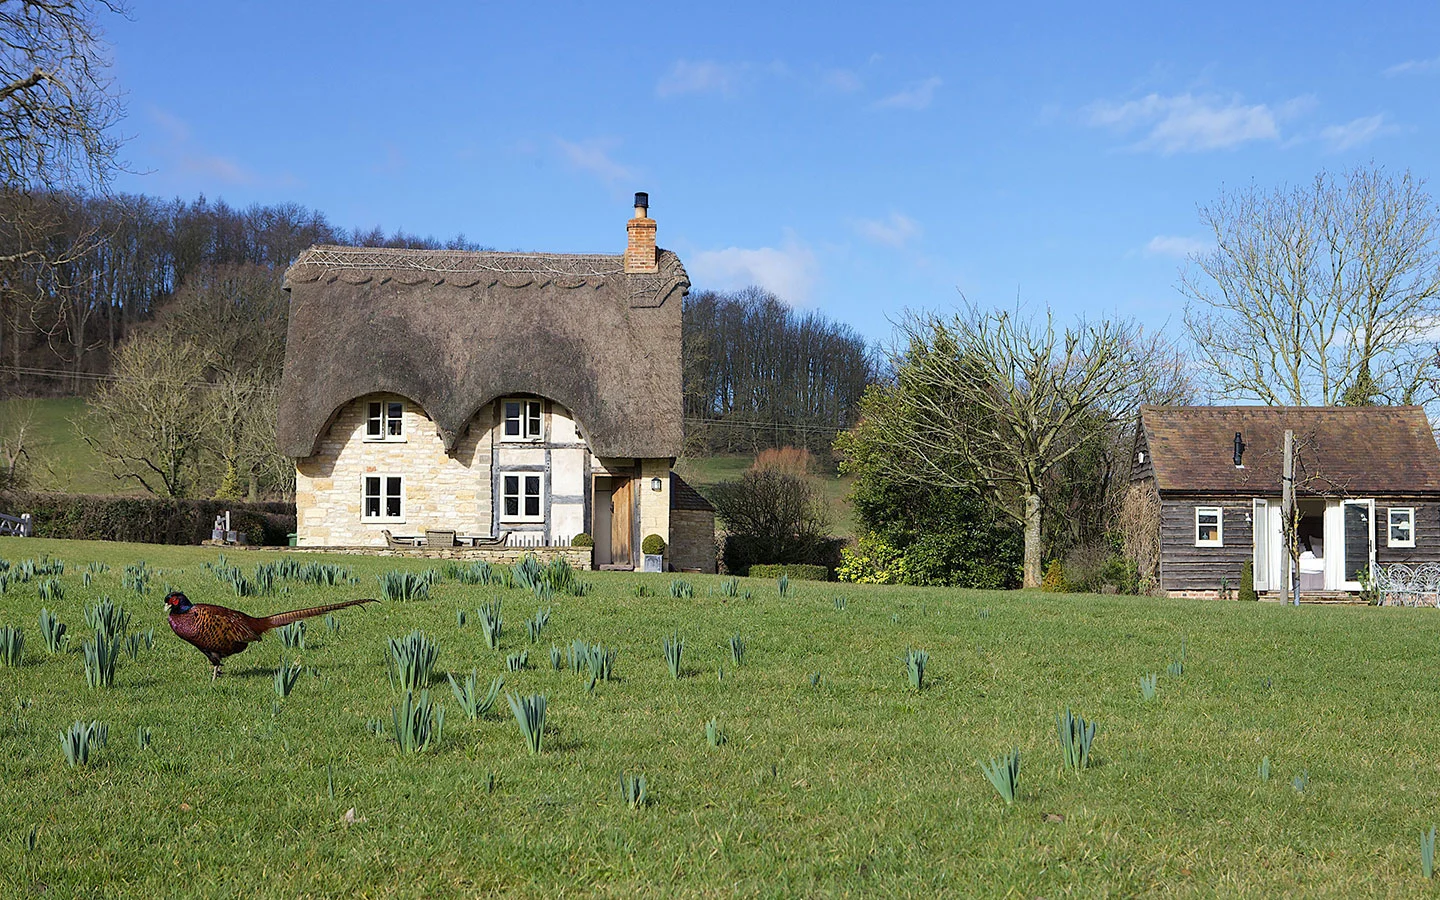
x,y
372,424
534,425
532,485
512,418
372,506
372,486
392,485
512,485
512,506
396,416
392,507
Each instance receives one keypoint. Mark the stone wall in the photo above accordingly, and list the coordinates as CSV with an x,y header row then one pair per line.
x,y
692,540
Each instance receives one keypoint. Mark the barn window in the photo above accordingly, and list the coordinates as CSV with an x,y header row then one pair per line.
x,y
1402,526
1209,526
520,497
522,420
383,499
385,420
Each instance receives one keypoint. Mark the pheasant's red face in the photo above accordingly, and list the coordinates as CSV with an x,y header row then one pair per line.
x,y
176,602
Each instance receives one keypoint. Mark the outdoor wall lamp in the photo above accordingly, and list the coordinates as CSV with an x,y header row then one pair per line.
x,y
654,484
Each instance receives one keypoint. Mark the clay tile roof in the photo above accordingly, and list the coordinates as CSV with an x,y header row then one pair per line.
x,y
452,330
1364,450
683,496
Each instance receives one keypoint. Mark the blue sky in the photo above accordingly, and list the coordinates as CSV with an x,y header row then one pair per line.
x,y
856,159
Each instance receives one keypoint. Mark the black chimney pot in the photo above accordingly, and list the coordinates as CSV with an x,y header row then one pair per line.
x,y
642,199
1239,451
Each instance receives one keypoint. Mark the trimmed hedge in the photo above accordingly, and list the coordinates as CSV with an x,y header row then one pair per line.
x,y
793,570
150,520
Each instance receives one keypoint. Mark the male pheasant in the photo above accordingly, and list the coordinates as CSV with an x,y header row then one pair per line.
x,y
219,632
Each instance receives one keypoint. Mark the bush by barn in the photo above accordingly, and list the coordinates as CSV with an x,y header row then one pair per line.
x,y
151,520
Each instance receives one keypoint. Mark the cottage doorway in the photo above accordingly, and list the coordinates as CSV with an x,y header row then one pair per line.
x,y
622,515
1357,518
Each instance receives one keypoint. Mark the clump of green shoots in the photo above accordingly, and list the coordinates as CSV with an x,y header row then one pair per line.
x,y
634,790
600,660
137,578
100,655
467,693
1427,853
1264,770
12,645
142,737
557,658
713,735
529,714
730,587
416,723
292,636
782,584
412,658
841,603
107,618
1301,782
285,678
52,632
332,623
397,585
516,662
1004,775
1147,686
644,590
815,680
915,663
737,649
985,613
681,589
673,647
51,590
82,740
491,623
1076,736
537,625
1176,668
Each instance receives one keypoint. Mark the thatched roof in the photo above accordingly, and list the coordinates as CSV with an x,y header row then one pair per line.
x,y
1354,451
453,330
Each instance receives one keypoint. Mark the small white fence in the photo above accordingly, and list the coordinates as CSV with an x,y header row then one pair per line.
x,y
19,526
1399,585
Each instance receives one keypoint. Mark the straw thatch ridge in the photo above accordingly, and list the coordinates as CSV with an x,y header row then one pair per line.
x,y
452,330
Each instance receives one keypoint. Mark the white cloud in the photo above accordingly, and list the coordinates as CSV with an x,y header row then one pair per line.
x,y
1355,132
788,272
915,96
1175,245
895,231
593,157
842,80
1186,123
187,157
1414,67
706,76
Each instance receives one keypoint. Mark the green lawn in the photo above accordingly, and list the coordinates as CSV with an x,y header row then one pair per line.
x,y
60,460
855,786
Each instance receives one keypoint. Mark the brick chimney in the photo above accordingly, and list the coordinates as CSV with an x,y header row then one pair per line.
x,y
640,255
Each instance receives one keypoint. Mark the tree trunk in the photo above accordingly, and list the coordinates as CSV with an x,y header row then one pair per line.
x,y
1033,573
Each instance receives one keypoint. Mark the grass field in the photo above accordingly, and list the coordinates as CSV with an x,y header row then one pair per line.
x,y
60,460
852,785
702,471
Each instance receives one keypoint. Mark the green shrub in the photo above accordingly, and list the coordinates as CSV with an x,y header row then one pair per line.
x,y
790,570
1247,582
582,540
153,520
1054,580
653,545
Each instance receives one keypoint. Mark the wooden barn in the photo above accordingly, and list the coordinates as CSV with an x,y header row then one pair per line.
x,y
491,400
1205,496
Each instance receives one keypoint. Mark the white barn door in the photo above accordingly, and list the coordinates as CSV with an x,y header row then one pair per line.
x,y
1357,546
1260,527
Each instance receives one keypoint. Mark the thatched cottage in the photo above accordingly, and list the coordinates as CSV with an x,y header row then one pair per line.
x,y
507,397
1205,495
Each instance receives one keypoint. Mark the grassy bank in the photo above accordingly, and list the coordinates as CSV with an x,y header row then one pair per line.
x,y
845,783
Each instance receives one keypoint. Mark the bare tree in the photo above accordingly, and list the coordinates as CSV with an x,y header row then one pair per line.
x,y
1321,294
153,415
16,435
993,401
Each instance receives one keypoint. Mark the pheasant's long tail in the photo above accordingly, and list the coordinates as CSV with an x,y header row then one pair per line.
x,y
285,618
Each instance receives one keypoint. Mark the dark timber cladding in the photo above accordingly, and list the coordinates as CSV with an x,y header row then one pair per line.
x,y
453,330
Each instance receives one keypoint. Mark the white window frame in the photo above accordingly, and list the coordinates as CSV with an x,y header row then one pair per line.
x,y
383,495
1390,523
530,422
1219,513
388,419
521,495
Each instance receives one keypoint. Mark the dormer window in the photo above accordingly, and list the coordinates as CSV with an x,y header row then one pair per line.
x,y
523,421
385,420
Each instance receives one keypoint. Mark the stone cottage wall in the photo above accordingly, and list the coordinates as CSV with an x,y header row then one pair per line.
x,y
692,540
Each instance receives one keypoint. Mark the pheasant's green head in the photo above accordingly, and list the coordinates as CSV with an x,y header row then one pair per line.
x,y
176,602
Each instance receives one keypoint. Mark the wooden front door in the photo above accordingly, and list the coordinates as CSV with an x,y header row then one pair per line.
x,y
622,514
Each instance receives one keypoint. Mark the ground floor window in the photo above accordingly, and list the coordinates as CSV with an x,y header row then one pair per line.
x,y
1402,526
1209,524
520,496
383,499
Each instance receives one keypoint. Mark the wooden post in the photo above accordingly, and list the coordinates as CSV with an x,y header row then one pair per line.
x,y
1287,514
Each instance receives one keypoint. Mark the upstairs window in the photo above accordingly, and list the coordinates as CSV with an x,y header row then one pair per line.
x,y
1209,526
1402,526
520,499
383,499
385,420
522,420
